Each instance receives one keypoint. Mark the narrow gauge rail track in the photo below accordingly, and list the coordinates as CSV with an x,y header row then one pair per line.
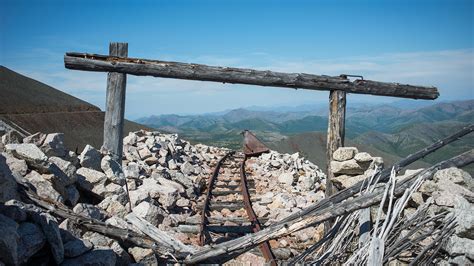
x,y
235,184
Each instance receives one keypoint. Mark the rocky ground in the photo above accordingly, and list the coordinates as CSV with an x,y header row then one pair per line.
x,y
166,177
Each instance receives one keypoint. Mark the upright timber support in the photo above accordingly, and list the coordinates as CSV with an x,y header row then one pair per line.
x,y
115,105
336,131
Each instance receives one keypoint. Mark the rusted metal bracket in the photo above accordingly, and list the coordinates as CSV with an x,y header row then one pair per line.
x,y
252,145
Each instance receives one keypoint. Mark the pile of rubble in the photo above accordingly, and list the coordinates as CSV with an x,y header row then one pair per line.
x,y
165,178
351,166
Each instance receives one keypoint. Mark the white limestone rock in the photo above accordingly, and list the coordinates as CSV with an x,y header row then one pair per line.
x,y
344,153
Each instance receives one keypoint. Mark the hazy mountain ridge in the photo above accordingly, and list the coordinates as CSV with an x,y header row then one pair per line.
x,y
383,130
383,118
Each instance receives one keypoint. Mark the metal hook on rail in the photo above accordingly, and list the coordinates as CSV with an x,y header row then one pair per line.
x,y
345,76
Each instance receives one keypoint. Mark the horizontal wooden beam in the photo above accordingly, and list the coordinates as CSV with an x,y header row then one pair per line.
x,y
164,69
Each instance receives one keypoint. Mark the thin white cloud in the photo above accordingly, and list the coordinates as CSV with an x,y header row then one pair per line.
x,y
451,70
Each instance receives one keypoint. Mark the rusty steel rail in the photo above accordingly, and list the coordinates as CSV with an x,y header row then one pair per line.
x,y
203,233
265,246
204,236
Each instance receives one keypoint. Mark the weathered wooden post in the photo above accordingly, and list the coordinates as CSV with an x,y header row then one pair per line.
x,y
115,105
336,131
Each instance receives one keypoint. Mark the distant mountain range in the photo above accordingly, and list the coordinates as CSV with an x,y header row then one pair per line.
x,y
389,130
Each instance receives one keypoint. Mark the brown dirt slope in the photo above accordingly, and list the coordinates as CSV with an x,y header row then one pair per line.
x,y
20,94
37,107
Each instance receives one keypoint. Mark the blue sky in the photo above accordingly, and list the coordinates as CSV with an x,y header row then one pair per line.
x,y
418,42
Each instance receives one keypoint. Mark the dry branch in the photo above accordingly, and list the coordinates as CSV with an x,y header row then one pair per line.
x,y
165,69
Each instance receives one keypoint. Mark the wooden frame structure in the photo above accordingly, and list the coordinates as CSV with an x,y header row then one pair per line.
x,y
119,65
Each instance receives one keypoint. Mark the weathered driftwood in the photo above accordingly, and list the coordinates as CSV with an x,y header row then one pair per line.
x,y
242,244
115,105
164,69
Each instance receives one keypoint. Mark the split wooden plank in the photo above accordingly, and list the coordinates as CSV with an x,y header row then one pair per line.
x,y
177,70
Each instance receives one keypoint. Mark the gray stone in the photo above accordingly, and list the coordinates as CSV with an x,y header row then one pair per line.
x,y
9,241
69,230
344,153
464,213
363,157
87,178
457,246
8,183
89,210
428,187
144,153
307,182
12,136
460,260
28,152
131,139
286,178
53,145
31,241
37,139
59,178
350,167
182,202
169,183
138,196
132,170
119,222
97,239
113,207
143,256
101,256
43,187
187,168
346,181
417,199
67,168
50,228
113,170
90,158
452,174
77,247
149,212
184,180
167,196
16,165
172,165
123,259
